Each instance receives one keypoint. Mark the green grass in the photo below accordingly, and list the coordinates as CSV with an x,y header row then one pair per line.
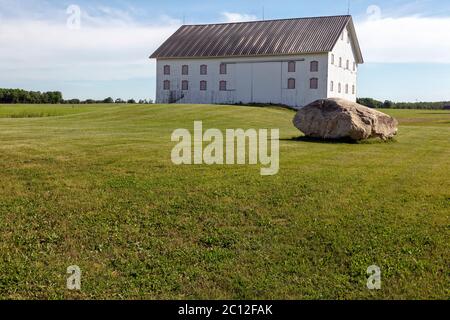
x,y
428,118
96,188
40,111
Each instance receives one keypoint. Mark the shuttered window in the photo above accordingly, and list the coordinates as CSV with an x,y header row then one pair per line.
x,y
166,70
223,68
223,86
166,85
184,85
203,69
291,66
185,70
291,83
203,85
314,83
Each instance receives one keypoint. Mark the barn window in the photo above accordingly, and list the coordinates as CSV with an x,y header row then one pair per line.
x,y
166,69
332,86
340,62
348,65
313,83
291,66
185,70
203,69
314,66
339,87
223,68
203,85
184,85
353,89
346,88
291,83
166,85
332,58
223,86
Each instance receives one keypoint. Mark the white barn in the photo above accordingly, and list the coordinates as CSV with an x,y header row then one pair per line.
x,y
290,62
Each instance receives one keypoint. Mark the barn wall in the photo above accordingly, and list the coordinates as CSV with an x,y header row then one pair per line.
x,y
249,80
343,49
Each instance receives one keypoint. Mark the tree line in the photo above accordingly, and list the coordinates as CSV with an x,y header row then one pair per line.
x,y
10,96
22,96
376,104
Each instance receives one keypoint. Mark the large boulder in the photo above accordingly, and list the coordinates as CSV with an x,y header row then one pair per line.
x,y
341,119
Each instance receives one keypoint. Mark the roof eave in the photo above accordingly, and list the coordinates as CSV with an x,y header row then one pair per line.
x,y
242,56
359,55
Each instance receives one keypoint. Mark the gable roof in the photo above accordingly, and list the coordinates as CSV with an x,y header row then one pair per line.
x,y
258,38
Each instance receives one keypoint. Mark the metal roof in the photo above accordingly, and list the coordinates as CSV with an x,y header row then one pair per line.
x,y
258,38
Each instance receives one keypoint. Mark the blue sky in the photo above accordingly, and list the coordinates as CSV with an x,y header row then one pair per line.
x,y
406,44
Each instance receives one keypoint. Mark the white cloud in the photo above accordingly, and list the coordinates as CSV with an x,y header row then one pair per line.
x,y
237,17
412,39
109,46
112,45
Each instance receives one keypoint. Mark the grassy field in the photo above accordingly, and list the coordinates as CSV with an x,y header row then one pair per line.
x,y
39,111
95,187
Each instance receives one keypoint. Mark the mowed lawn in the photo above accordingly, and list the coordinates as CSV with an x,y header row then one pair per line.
x,y
95,187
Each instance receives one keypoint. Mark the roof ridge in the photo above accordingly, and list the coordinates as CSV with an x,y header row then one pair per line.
x,y
269,20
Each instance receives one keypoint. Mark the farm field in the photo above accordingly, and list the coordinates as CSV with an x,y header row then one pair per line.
x,y
94,186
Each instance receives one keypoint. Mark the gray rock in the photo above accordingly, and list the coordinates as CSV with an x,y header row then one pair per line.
x,y
339,119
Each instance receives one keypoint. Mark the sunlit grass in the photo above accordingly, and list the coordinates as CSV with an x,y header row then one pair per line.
x,y
95,187
39,111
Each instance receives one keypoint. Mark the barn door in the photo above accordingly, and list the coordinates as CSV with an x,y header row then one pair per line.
x,y
266,82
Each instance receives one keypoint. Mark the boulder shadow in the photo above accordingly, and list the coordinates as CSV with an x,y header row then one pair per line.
x,y
338,141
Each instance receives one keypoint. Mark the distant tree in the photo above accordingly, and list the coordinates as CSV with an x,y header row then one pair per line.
x,y
89,101
145,101
108,100
119,101
369,102
35,97
45,97
73,101
388,104
131,101
372,103
56,97
22,96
